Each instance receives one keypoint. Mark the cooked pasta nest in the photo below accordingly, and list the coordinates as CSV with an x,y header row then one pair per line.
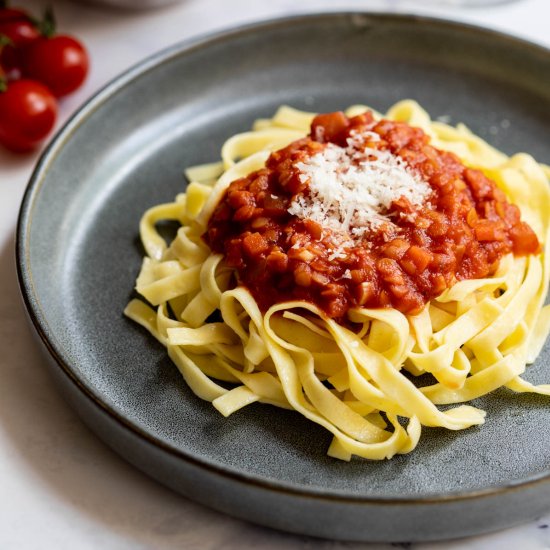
x,y
358,383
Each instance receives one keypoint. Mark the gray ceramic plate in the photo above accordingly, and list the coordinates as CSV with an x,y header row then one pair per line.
x,y
78,255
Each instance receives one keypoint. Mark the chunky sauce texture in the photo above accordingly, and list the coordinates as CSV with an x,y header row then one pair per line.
x,y
461,232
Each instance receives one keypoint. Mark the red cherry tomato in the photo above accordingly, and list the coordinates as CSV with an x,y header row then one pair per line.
x,y
60,62
20,30
18,26
27,114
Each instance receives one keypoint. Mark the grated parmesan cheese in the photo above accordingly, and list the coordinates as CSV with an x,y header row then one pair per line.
x,y
351,188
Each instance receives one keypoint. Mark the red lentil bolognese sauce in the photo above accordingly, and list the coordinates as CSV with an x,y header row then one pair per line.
x,y
364,213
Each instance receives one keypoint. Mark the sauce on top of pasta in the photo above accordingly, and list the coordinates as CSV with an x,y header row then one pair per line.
x,y
364,213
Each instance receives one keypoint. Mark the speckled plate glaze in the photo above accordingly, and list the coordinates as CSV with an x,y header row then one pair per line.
x,y
124,151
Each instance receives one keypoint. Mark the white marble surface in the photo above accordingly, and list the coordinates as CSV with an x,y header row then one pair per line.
x,y
60,487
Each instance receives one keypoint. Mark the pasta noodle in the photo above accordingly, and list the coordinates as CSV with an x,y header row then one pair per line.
x,y
358,383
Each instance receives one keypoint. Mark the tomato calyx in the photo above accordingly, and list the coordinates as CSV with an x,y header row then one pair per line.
x,y
47,25
5,40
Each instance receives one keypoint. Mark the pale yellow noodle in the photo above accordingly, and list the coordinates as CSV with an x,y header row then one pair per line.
x,y
477,336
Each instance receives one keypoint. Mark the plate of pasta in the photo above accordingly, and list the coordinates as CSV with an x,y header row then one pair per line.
x,y
314,302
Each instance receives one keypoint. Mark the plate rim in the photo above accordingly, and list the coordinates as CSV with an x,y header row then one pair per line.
x,y
39,321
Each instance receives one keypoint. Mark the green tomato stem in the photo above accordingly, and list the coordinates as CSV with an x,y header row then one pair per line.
x,y
5,40
47,25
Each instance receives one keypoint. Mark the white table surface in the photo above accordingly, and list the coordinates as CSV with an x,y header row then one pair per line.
x,y
60,486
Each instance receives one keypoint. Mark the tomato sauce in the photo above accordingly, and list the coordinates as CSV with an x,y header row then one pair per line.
x,y
461,232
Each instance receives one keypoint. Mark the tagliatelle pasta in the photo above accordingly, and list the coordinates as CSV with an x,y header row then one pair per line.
x,y
353,376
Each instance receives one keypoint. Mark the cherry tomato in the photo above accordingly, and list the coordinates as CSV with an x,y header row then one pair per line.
x,y
60,62
18,26
27,114
20,30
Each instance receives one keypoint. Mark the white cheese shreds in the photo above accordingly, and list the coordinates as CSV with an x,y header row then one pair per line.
x,y
351,188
